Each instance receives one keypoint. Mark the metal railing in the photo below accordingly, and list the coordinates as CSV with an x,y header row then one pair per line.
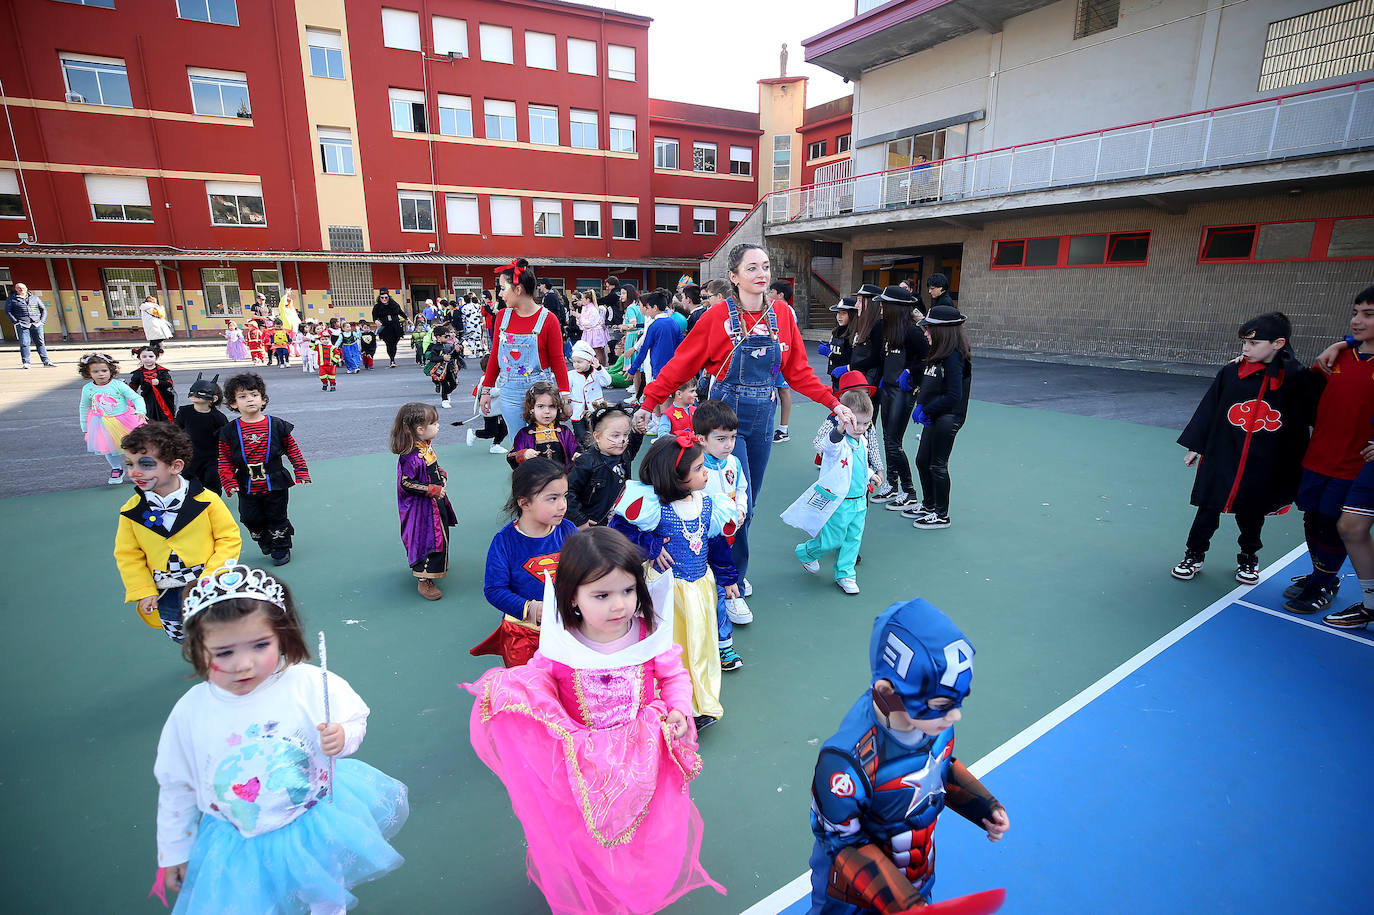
x,y
1327,120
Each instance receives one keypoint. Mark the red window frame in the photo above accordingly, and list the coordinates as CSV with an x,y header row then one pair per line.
x,y
1061,263
1321,242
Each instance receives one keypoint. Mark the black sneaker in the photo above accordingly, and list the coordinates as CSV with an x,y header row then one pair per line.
x,y
780,436
1356,616
1299,582
703,722
931,522
1188,568
1312,598
903,502
730,659
281,557
1247,568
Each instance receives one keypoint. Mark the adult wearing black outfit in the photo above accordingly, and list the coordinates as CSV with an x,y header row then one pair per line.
x,y
610,300
937,287
903,366
554,303
941,406
391,322
865,337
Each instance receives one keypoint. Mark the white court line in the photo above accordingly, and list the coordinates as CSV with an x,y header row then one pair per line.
x,y
780,899
1308,623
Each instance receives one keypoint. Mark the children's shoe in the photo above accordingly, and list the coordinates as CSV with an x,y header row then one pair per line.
x,y
738,612
472,437
729,660
1312,598
703,722
1190,565
814,566
116,476
1247,569
848,585
498,449
931,522
1299,582
745,589
1356,616
429,590
780,436
445,404
902,502
884,493
281,557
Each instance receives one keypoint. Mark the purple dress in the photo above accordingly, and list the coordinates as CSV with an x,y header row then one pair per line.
x,y
425,516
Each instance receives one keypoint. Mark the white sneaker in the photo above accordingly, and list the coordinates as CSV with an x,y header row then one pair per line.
x,y
116,476
25,366
745,589
472,437
814,566
738,612
445,404
848,585
497,449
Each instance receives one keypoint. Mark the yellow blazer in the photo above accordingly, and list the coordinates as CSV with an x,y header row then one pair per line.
x,y
204,534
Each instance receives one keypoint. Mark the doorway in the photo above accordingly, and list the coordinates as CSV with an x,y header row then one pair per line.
x,y
418,293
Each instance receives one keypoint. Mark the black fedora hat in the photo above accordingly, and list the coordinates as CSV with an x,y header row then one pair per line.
x,y
869,291
898,295
942,314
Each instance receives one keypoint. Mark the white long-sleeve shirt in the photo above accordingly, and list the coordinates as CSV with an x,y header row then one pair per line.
x,y
254,761
586,390
725,479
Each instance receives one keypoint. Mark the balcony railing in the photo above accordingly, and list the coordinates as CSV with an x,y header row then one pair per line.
x,y
1318,121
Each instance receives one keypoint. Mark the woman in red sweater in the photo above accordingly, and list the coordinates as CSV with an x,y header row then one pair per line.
x,y
744,344
527,346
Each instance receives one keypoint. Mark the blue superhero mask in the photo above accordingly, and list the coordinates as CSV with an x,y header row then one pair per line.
x,y
924,655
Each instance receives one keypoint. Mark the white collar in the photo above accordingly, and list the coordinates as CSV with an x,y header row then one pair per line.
x,y
558,644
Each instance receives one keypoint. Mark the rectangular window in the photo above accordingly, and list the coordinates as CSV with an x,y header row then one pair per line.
x,y
620,62
96,80
624,221
220,12
126,288
737,217
222,93
455,115
401,29
548,217
462,214
544,125
450,35
267,283
582,56
222,297
782,162
665,153
235,204
842,144
666,218
1096,16
703,220
623,133
505,216
326,53
741,160
499,118
816,150
582,129
703,157
116,198
407,110
541,51
1296,240
1109,249
1351,238
497,45
417,211
11,201
586,219
336,150
1323,44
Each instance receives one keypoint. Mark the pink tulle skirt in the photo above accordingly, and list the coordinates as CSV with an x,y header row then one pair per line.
x,y
610,825
104,434
236,349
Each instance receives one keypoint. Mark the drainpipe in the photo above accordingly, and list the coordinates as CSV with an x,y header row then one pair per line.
x,y
80,312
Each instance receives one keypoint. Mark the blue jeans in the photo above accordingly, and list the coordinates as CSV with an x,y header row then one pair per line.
x,y
512,403
31,336
755,406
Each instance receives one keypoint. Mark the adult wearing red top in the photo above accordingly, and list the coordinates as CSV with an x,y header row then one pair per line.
x,y
527,346
744,344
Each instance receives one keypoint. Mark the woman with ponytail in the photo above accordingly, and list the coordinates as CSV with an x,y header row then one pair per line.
x,y
527,346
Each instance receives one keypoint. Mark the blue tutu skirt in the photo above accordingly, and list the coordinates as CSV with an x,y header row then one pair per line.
x,y
352,355
313,860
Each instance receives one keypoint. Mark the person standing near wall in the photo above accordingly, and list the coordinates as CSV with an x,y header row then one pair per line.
x,y
29,314
391,323
155,326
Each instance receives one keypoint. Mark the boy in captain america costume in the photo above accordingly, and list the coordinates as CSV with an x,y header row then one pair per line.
x,y
884,777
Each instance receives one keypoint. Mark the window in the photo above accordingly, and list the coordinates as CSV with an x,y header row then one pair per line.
x,y
1304,240
336,151
582,56
624,221
115,198
96,80
737,217
267,283
704,220
548,217
326,53
11,201
782,162
455,115
842,144
222,93
703,157
462,214
620,62
741,160
1318,45
1108,249
505,216
816,150
401,29
417,211
235,204
541,51
1351,238
407,110
582,129
623,133
586,219
1096,16
222,298
500,119
544,125
496,44
220,12
666,218
665,153
450,35
126,288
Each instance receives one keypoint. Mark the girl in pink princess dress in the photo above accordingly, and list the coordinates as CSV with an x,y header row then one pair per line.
x,y
594,739
234,346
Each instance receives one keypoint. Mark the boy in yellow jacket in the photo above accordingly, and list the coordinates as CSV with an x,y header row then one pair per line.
x,y
171,530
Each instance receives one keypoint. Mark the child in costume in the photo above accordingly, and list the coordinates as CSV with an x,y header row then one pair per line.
x,y
716,426
586,382
834,509
941,407
592,320
678,415
328,358
1250,432
281,342
592,741
853,380
253,813
442,362
109,409
202,420
250,464
474,339
171,529
421,495
350,349
367,343
599,474
257,346
154,384
667,515
883,778
234,346
298,345
417,340
493,424
836,349
619,370
310,356
520,554
545,433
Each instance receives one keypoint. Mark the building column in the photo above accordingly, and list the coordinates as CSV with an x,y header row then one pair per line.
x,y
851,268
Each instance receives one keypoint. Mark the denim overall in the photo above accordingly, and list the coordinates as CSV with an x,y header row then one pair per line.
x,y
518,357
747,386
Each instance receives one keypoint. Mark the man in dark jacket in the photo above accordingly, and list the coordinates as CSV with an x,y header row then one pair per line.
x,y
937,287
29,314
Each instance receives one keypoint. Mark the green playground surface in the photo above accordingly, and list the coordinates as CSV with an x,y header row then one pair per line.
x,y
1056,567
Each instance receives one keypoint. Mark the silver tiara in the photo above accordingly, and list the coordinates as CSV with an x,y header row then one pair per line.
x,y
229,582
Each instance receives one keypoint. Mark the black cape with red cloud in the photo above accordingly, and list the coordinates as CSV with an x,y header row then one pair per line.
x,y
1251,429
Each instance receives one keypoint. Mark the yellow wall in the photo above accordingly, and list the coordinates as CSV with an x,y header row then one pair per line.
x,y
782,108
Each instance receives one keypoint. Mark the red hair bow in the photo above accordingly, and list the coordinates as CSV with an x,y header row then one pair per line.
x,y
685,439
514,268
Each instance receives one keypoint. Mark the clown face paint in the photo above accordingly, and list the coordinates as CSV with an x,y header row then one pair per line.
x,y
152,474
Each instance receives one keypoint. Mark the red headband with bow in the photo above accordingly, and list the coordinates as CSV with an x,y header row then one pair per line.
x,y
685,439
516,270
